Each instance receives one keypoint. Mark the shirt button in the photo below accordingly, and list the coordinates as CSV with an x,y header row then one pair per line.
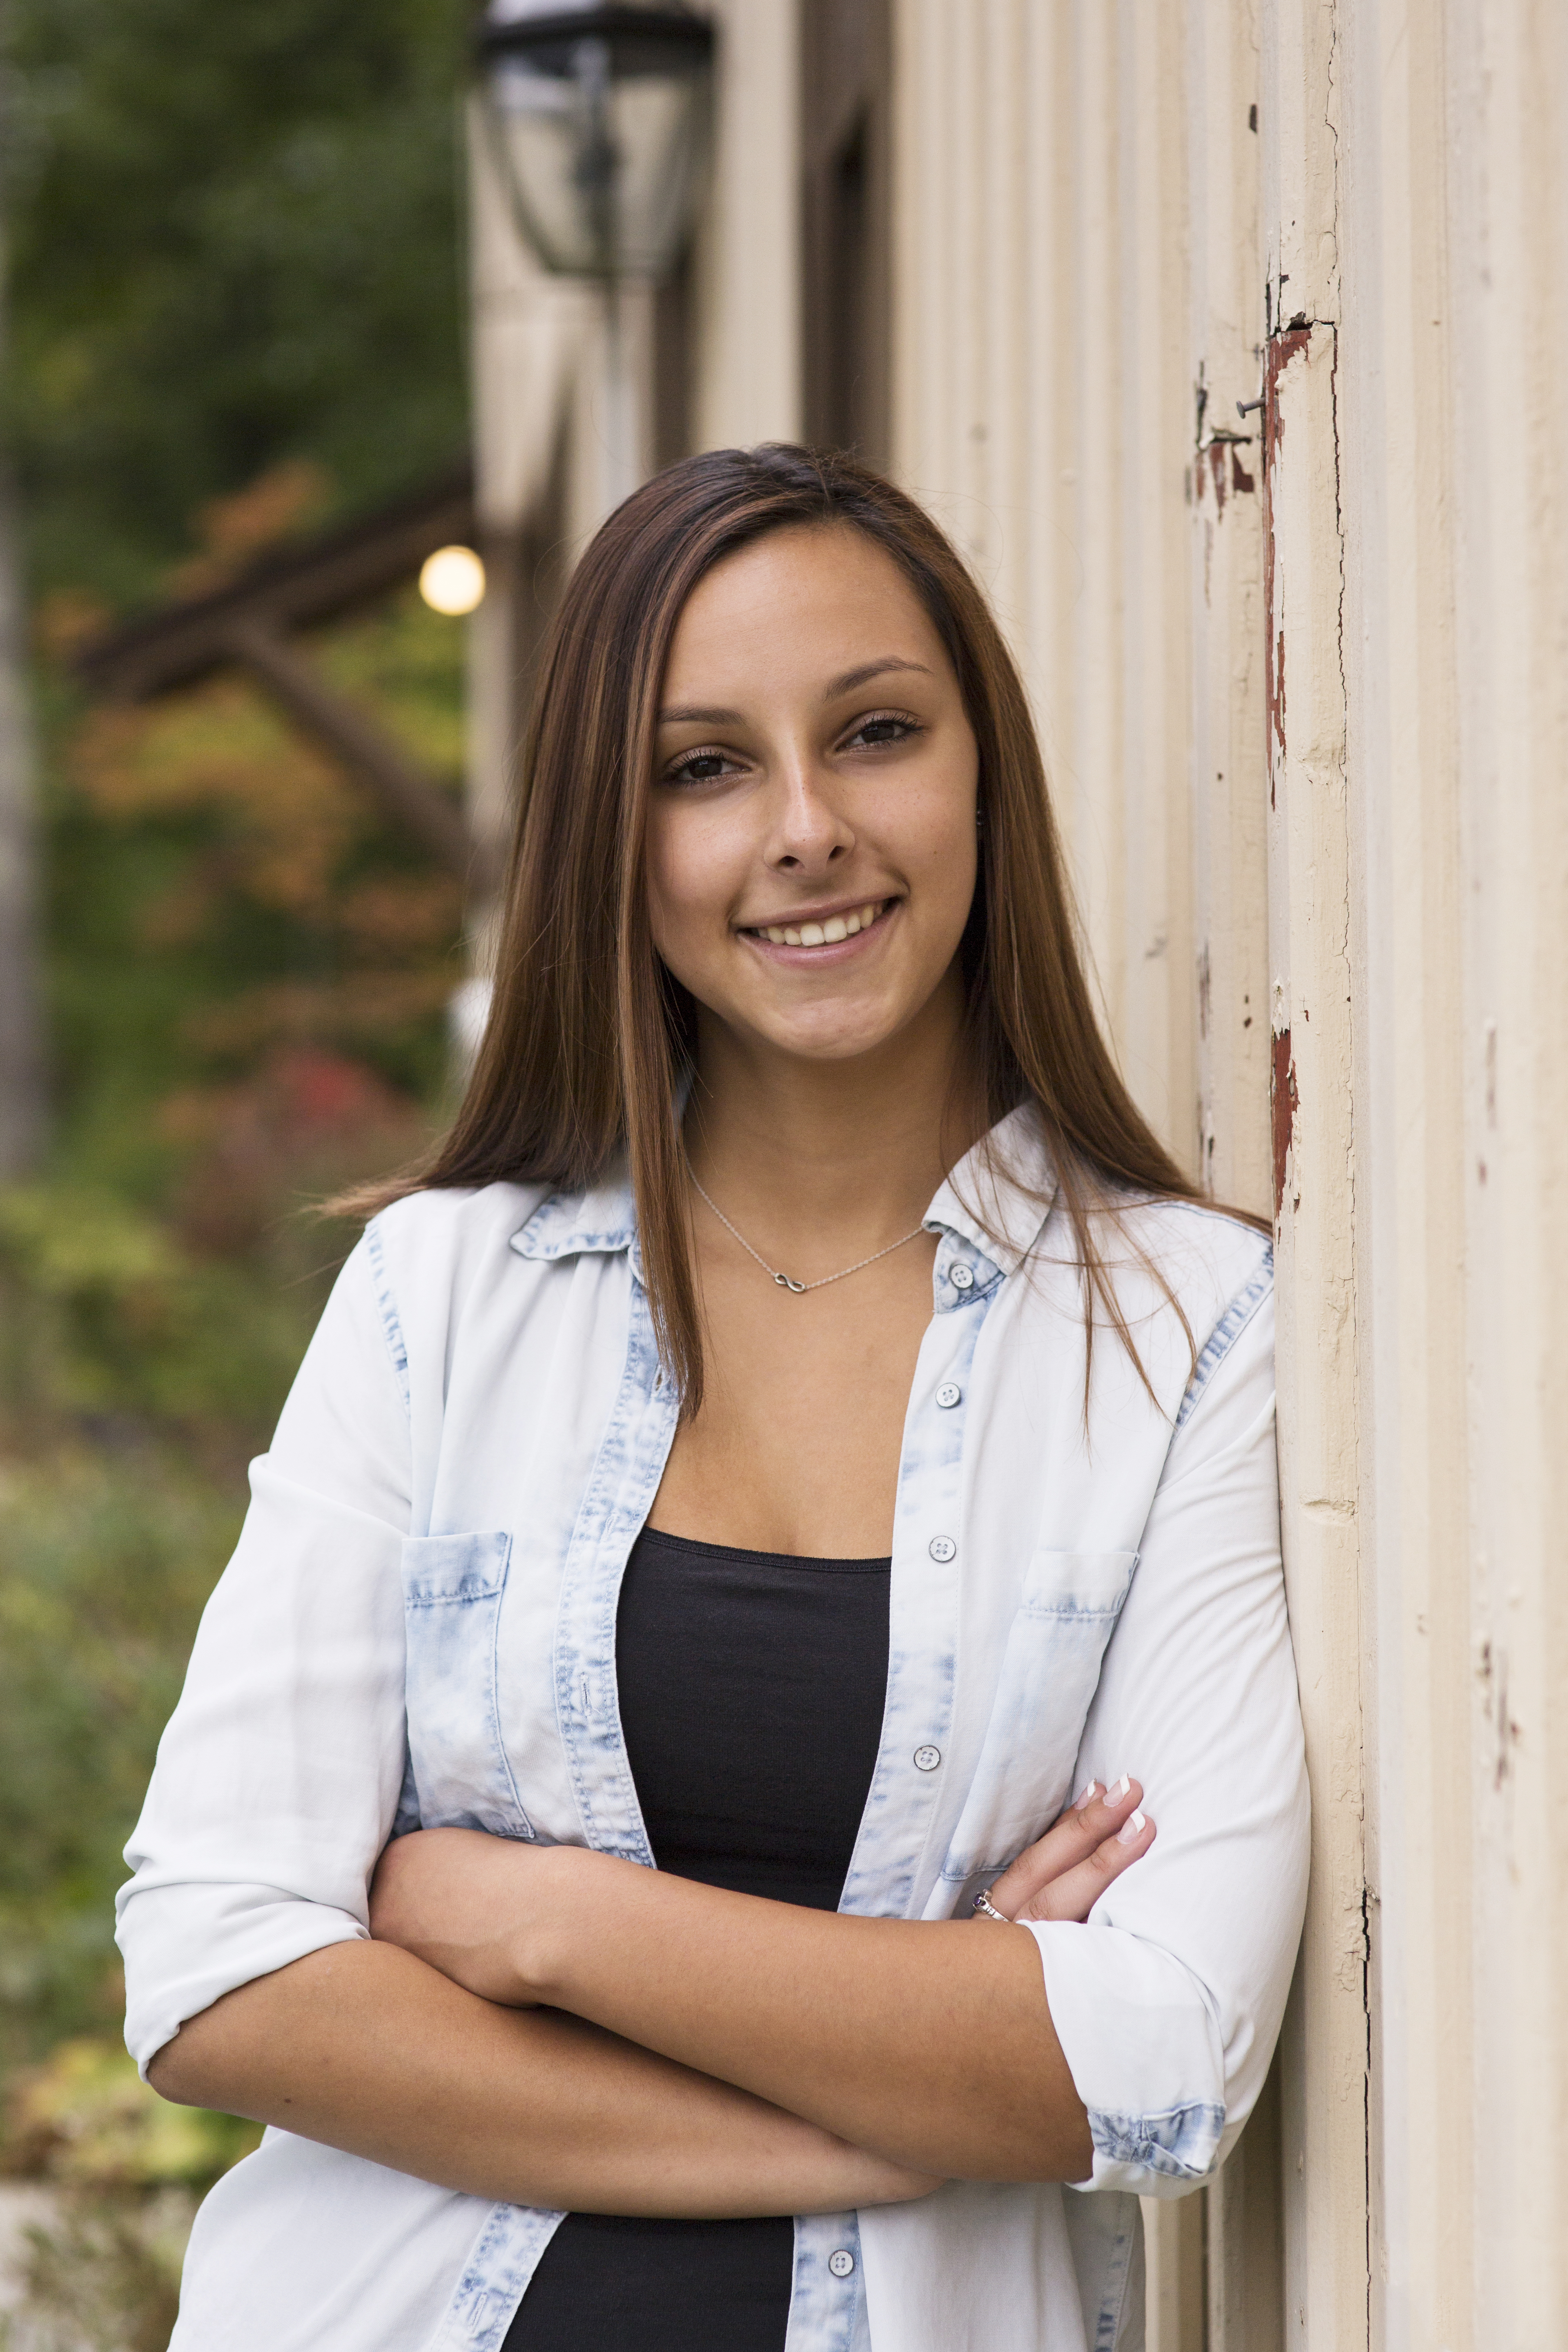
x,y
842,2262
961,1278
947,1395
927,1758
942,1547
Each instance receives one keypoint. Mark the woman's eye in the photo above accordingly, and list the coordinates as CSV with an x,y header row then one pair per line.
x,y
887,727
697,768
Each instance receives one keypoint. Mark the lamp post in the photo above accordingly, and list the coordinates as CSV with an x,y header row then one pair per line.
x,y
596,119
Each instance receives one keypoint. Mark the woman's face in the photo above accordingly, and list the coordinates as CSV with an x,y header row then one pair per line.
x,y
811,847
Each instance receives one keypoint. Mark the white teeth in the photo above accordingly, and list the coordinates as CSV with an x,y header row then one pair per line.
x,y
826,933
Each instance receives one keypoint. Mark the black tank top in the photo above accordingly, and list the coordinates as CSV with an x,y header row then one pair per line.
x,y
752,1689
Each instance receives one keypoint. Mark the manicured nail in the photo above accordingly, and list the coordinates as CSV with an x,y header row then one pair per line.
x,y
1131,1830
1123,1788
1088,1797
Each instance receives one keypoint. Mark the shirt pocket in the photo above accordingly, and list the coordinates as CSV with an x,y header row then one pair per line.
x,y
452,1593
1050,1671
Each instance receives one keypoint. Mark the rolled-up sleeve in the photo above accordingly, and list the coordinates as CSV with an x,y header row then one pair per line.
x,y
1168,2000
278,1775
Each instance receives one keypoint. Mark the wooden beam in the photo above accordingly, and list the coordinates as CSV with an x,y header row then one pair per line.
x,y
291,588
410,798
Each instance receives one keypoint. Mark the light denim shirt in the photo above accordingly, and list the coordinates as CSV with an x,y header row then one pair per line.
x,y
418,1626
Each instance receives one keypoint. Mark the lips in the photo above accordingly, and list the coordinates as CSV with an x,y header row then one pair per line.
x,y
828,931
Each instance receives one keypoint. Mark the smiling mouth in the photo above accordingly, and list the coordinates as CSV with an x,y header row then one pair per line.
x,y
825,934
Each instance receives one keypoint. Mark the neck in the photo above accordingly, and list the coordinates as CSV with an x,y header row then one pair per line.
x,y
802,1150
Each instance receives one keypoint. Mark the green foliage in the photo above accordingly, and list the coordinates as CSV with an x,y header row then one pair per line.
x,y
236,292
235,239
106,1555
108,1314
220,891
88,2120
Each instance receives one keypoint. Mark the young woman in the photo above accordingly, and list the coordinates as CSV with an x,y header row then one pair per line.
x,y
798,1430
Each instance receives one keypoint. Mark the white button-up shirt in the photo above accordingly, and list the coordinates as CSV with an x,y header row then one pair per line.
x,y
419,1628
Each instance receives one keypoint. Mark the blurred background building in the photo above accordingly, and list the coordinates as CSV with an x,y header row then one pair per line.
x,y
1229,339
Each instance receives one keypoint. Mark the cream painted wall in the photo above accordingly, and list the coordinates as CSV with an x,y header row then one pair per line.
x,y
1035,148
1306,707
748,384
1454,243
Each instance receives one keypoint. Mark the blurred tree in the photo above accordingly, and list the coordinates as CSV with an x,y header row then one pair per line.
x,y
236,307
21,1042
236,242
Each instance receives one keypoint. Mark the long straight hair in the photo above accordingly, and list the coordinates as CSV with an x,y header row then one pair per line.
x,y
589,1034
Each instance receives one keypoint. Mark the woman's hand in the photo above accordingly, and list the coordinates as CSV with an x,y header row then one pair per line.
x,y
1063,1875
930,2048
464,1902
476,1907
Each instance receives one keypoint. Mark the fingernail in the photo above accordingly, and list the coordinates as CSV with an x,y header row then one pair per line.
x,y
1088,1797
1131,1830
1123,1789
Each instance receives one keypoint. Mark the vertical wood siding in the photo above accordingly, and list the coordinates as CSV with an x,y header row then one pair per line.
x,y
1302,678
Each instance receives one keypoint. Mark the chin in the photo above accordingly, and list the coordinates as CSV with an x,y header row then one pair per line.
x,y
847,1042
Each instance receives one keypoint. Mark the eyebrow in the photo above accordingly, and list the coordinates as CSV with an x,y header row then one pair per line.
x,y
851,678
688,714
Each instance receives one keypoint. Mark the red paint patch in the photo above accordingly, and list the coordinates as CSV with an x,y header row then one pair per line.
x,y
1282,1098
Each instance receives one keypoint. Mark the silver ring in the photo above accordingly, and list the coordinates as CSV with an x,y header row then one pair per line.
x,y
983,1903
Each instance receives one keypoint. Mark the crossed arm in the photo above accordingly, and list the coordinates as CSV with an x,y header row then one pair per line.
x,y
556,2027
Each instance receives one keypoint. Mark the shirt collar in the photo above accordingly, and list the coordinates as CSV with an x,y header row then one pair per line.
x,y
996,1202
993,1207
573,1225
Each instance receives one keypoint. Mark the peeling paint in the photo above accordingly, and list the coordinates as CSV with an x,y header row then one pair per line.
x,y
1492,1670
1278,352
1282,1100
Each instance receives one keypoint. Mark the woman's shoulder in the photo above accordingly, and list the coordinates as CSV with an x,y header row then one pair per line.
x,y
445,1215
436,1244
477,1240
1203,1238
1202,1264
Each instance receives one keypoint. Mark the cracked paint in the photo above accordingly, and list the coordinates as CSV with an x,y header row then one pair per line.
x,y
1278,352
1282,1099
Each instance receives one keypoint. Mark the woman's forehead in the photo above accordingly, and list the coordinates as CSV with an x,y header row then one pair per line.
x,y
817,599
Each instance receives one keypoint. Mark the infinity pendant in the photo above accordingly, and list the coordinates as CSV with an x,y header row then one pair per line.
x,y
785,1283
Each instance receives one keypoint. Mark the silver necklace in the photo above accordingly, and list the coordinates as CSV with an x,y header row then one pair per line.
x,y
786,1281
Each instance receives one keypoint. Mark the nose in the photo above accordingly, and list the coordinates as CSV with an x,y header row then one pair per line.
x,y
808,831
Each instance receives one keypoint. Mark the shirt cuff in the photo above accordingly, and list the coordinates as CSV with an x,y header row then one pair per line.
x,y
186,1947
1144,2052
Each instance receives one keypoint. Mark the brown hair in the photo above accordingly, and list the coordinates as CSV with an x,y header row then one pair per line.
x,y
589,1033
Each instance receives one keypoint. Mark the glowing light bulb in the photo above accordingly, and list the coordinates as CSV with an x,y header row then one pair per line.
x,y
452,581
